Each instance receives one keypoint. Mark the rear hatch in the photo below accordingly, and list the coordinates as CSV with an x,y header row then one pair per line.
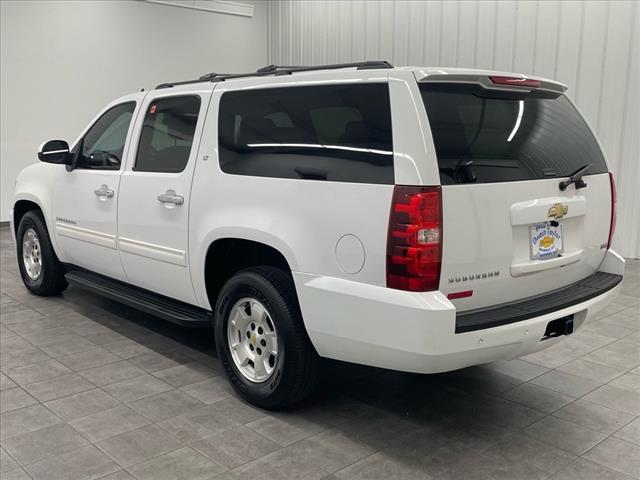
x,y
510,230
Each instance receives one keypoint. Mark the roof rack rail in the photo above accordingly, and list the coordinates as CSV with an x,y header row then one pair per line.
x,y
210,76
300,68
279,70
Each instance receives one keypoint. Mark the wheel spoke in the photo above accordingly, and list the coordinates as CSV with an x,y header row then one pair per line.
x,y
241,314
272,343
258,312
238,319
259,368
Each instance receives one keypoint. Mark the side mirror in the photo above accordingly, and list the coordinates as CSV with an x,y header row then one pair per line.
x,y
55,151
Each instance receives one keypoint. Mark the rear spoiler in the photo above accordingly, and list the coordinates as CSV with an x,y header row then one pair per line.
x,y
512,83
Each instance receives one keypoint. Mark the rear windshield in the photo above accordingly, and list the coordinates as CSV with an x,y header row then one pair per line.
x,y
484,136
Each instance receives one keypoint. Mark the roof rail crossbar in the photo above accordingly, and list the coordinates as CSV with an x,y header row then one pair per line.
x,y
279,70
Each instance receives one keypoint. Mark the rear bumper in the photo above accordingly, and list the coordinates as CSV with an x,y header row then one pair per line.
x,y
416,332
577,293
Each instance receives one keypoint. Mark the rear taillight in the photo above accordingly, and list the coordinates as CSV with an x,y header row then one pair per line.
x,y
414,244
515,81
614,209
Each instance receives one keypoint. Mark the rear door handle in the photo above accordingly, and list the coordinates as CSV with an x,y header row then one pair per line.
x,y
170,197
104,191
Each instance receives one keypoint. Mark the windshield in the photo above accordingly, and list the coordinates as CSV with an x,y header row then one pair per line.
x,y
484,136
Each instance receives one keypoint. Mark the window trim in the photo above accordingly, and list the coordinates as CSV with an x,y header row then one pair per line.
x,y
160,98
80,142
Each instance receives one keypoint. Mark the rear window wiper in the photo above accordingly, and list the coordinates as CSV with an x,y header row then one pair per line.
x,y
576,177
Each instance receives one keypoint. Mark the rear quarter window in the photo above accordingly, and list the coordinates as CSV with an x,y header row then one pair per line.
x,y
484,136
336,133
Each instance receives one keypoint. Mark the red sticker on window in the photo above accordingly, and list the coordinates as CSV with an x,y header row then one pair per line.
x,y
153,109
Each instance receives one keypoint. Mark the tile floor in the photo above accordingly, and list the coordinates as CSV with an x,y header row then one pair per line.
x,y
93,389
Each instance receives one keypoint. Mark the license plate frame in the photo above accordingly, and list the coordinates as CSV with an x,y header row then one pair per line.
x,y
545,240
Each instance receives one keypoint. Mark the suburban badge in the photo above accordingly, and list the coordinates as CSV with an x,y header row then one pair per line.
x,y
474,276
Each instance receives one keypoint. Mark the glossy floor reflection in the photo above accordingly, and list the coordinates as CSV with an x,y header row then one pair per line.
x,y
93,389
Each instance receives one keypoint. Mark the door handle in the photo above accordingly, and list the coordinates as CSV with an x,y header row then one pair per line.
x,y
170,197
104,191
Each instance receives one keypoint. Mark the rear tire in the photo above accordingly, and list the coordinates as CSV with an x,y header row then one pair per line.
x,y
41,271
262,306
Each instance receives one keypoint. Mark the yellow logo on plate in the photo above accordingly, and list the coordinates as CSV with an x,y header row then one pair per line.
x,y
547,241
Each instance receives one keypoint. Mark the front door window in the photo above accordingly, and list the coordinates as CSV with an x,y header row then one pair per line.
x,y
103,145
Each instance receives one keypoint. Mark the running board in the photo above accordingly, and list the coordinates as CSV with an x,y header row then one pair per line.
x,y
163,307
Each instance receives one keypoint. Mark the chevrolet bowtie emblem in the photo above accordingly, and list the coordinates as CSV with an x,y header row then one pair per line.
x,y
558,211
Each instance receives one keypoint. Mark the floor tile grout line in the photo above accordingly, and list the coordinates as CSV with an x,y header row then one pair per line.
x,y
488,395
596,461
594,361
555,446
79,393
134,430
324,431
633,418
15,460
62,422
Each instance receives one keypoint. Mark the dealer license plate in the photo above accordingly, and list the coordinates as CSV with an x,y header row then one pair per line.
x,y
545,240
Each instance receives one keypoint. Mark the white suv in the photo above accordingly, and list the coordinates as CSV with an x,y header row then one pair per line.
x,y
415,219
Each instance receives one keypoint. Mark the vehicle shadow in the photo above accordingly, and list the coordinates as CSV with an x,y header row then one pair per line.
x,y
360,401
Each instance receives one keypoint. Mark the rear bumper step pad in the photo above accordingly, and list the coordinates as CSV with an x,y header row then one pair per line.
x,y
531,307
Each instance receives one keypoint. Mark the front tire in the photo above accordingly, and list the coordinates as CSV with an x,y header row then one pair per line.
x,y
41,271
261,339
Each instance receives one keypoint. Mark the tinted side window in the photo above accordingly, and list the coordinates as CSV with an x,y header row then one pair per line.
x,y
338,133
167,134
487,137
103,145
